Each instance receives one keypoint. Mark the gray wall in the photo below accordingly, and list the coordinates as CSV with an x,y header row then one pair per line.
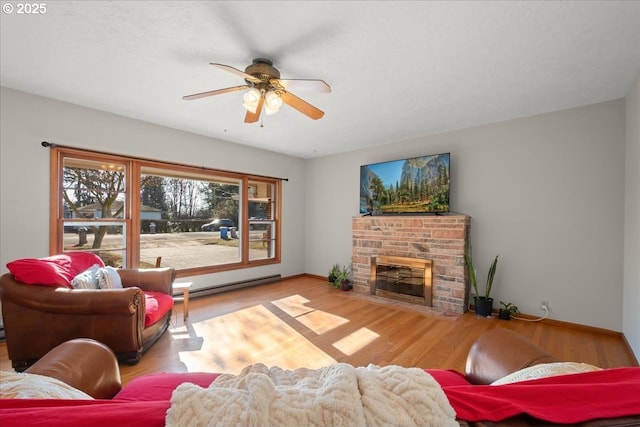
x,y
24,173
631,292
545,192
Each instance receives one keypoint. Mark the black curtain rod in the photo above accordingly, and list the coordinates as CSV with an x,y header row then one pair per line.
x,y
46,144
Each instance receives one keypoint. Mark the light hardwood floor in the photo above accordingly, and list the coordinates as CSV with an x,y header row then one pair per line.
x,y
304,322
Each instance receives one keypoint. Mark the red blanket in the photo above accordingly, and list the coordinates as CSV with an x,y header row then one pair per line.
x,y
81,413
573,398
565,399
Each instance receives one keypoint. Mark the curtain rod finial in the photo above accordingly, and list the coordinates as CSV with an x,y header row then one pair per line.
x,y
46,144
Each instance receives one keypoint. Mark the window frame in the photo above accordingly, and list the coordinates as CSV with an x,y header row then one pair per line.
x,y
131,215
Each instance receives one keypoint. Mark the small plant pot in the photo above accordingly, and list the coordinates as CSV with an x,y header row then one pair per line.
x,y
504,314
484,306
346,285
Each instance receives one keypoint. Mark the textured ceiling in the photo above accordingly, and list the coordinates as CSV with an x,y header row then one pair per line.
x,y
397,69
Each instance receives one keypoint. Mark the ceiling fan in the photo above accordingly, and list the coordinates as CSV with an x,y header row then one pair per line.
x,y
266,90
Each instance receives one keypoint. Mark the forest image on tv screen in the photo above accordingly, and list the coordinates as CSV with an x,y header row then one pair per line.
x,y
417,185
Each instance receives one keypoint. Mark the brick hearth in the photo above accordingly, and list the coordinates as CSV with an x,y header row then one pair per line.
x,y
440,239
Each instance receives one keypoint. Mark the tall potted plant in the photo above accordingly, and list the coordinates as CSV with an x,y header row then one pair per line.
x,y
483,303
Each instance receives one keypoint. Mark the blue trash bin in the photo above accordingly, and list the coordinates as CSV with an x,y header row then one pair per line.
x,y
223,233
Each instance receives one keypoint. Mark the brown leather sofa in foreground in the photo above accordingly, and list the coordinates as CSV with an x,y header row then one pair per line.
x,y
38,318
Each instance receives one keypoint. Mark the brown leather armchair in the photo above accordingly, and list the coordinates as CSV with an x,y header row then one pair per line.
x,y
83,363
38,318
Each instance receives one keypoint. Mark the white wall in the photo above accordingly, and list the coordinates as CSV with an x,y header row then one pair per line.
x,y
26,120
544,192
631,292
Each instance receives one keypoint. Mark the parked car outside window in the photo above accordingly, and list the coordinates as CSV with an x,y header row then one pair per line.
x,y
216,224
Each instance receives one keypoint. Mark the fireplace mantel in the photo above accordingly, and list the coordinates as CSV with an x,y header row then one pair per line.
x,y
440,239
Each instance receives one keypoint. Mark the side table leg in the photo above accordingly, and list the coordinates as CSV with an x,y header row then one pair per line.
x,y
185,310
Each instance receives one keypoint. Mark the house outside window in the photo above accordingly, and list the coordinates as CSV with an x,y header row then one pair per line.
x,y
135,212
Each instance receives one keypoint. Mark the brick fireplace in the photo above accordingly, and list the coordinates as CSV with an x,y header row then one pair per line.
x,y
439,239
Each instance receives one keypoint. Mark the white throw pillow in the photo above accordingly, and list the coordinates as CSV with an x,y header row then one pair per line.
x,y
108,278
88,279
545,370
33,386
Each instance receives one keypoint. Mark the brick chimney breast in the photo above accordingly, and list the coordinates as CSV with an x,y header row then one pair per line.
x,y
440,239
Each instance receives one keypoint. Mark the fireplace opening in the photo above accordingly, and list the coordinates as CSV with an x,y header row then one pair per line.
x,y
400,278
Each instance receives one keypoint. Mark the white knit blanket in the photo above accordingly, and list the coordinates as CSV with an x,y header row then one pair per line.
x,y
338,395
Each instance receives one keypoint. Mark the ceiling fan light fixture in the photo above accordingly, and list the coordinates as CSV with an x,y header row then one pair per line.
x,y
273,100
251,99
250,108
272,103
252,96
269,110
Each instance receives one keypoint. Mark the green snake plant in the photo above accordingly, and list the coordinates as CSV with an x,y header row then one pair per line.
x,y
472,273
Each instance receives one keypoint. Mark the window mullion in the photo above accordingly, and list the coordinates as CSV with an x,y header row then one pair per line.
x,y
133,215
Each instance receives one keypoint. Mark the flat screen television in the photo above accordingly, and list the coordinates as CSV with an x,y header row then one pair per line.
x,y
419,185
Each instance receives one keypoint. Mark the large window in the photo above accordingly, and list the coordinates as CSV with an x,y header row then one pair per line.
x,y
134,213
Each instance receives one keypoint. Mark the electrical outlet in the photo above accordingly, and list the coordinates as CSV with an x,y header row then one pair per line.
x,y
544,305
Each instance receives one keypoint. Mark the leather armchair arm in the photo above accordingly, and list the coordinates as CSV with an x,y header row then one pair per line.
x,y
150,279
83,363
500,352
72,301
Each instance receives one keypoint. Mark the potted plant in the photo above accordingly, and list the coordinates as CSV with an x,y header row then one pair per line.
x,y
508,310
483,303
341,278
335,270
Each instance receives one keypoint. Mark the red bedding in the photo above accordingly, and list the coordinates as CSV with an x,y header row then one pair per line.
x,y
565,399
573,398
81,413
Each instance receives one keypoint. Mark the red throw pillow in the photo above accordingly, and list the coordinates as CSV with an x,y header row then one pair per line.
x,y
156,304
80,261
51,271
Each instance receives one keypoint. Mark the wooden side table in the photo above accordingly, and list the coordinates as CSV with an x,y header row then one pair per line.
x,y
183,288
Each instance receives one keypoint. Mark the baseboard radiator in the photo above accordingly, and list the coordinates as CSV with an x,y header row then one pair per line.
x,y
235,285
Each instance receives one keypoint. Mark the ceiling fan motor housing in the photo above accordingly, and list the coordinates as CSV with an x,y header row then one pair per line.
x,y
262,69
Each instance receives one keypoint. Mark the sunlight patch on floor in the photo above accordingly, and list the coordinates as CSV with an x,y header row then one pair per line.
x,y
250,336
294,306
321,322
179,333
356,341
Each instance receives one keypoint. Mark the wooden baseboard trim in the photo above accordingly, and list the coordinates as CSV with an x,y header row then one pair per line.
x,y
630,350
235,285
295,276
554,322
576,326
314,276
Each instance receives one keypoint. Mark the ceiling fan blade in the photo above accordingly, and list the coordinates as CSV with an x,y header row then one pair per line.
x,y
214,92
251,117
237,72
303,106
308,85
